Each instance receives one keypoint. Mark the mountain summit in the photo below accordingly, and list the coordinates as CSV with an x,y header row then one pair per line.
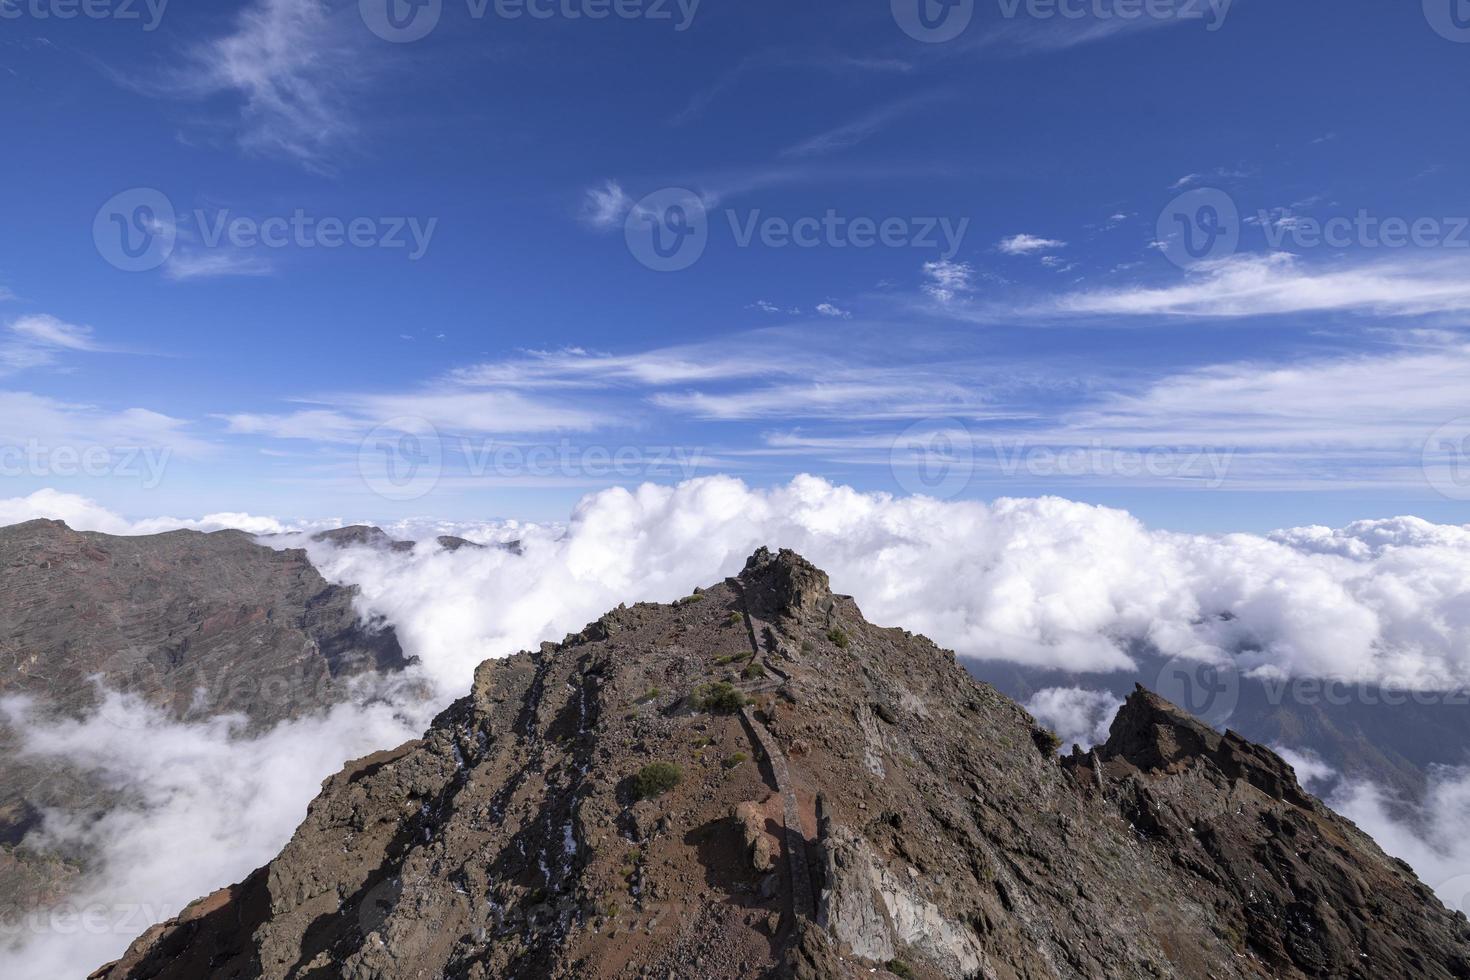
x,y
753,781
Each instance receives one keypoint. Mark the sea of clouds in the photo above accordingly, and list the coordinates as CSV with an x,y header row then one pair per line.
x,y
1045,582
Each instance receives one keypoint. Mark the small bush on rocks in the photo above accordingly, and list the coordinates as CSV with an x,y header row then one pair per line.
x,y
720,697
656,779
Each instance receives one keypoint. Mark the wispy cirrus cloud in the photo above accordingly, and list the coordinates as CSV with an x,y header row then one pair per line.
x,y
1281,283
1105,20
605,206
38,340
26,417
851,133
776,60
1024,244
214,264
290,66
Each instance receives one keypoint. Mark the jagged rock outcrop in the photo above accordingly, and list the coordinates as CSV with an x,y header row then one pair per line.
x,y
594,809
193,624
375,537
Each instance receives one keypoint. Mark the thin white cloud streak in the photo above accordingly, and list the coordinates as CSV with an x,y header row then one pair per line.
x,y
1024,244
576,368
778,60
873,399
184,266
1026,35
27,418
852,133
39,339
1270,285
449,410
1397,400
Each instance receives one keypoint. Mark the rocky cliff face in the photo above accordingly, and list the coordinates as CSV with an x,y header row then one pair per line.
x,y
754,781
192,624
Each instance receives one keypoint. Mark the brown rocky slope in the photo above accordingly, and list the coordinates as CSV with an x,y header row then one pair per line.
x,y
756,782
192,624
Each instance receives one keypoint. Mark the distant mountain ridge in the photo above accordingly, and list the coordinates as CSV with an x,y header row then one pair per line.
x,y
194,625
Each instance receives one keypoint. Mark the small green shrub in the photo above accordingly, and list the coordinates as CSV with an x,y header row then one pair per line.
x,y
735,619
649,695
720,697
806,646
753,672
728,659
900,969
1047,741
732,761
837,636
656,779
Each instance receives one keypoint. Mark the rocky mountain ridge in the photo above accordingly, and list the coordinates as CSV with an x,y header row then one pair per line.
x,y
193,625
754,781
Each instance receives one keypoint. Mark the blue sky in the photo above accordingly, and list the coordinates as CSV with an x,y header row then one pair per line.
x,y
988,292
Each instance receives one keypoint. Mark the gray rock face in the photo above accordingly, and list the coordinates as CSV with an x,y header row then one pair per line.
x,y
592,809
193,624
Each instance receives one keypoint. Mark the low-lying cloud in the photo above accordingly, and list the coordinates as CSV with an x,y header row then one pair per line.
x,y
1045,582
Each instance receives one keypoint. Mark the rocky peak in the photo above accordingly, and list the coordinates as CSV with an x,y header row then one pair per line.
x,y
1153,735
785,583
